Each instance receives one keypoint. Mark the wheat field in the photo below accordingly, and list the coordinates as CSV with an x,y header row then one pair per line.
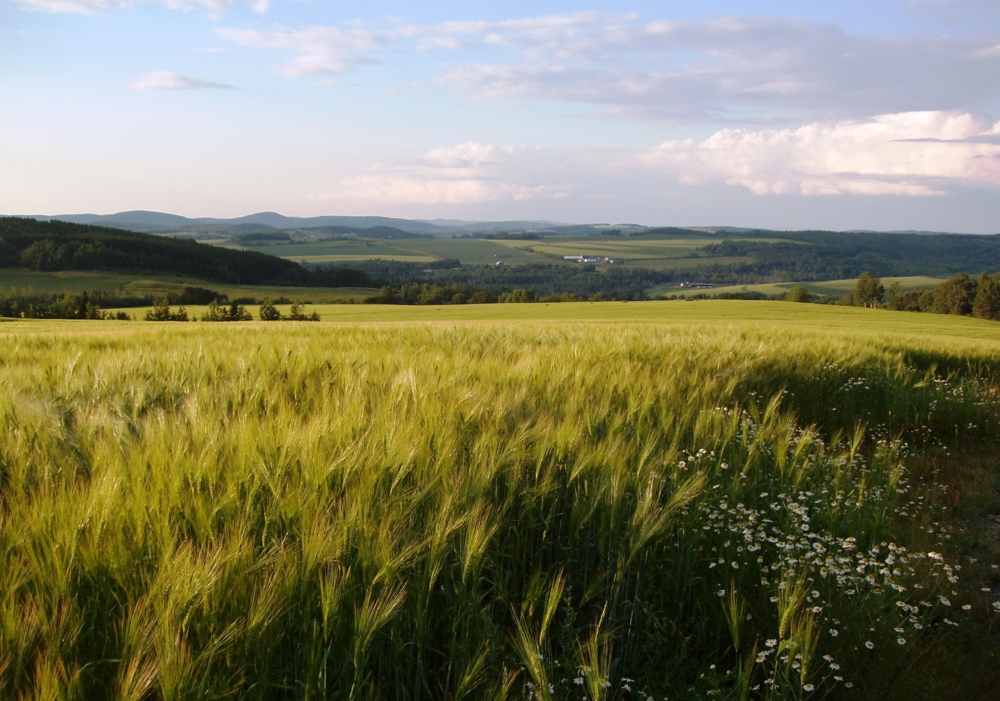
x,y
501,509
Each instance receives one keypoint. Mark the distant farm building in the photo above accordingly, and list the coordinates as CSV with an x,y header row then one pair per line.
x,y
593,259
697,285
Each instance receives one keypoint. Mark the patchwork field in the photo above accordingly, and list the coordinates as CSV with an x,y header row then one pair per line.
x,y
656,253
680,500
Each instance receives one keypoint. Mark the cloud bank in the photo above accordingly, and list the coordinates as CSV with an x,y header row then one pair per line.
x,y
466,173
914,153
733,69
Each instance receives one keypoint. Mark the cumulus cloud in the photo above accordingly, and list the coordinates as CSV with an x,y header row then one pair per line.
x,y
914,153
465,173
168,80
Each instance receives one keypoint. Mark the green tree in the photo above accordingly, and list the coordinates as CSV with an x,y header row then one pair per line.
x,y
798,294
44,255
869,290
235,312
894,300
269,312
159,312
987,302
955,295
296,314
520,295
9,257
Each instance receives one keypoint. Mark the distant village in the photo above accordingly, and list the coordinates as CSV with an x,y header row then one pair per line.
x,y
593,259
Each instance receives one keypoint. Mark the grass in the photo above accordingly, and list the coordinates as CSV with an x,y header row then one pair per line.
x,y
825,288
157,286
680,500
963,333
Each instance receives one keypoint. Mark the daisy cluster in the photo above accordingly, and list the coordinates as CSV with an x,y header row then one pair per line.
x,y
819,556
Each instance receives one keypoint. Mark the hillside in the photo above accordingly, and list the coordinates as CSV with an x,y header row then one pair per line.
x,y
57,245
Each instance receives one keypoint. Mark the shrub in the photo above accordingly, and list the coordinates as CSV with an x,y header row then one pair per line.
x,y
234,312
296,314
268,312
798,294
161,312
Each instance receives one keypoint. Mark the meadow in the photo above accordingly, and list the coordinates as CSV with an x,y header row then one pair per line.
x,y
141,285
666,253
825,288
669,500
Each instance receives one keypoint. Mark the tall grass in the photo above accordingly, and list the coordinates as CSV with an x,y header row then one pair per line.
x,y
494,511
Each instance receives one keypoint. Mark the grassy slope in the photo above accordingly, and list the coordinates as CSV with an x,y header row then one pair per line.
x,y
826,287
363,509
156,285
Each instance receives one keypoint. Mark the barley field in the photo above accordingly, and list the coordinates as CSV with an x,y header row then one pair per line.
x,y
614,503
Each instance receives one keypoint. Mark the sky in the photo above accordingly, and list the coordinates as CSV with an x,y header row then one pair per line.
x,y
850,115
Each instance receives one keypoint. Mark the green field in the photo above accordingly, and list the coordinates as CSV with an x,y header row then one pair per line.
x,y
659,254
669,500
824,288
157,286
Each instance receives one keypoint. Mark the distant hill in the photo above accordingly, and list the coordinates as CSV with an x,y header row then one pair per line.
x,y
375,232
163,223
160,222
58,245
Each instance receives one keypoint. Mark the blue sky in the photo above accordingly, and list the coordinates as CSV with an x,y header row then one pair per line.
x,y
878,115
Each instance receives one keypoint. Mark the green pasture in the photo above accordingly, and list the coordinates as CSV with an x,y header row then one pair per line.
x,y
824,288
64,281
679,500
159,286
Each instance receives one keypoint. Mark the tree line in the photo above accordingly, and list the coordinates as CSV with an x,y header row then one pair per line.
x,y
421,293
234,311
961,295
828,255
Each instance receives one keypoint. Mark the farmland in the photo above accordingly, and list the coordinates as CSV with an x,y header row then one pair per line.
x,y
654,253
825,288
674,499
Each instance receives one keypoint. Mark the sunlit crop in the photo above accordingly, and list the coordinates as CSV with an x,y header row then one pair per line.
x,y
473,510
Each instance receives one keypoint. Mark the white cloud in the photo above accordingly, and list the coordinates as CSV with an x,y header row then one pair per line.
x,y
82,7
168,80
89,7
466,173
915,153
732,69
320,50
